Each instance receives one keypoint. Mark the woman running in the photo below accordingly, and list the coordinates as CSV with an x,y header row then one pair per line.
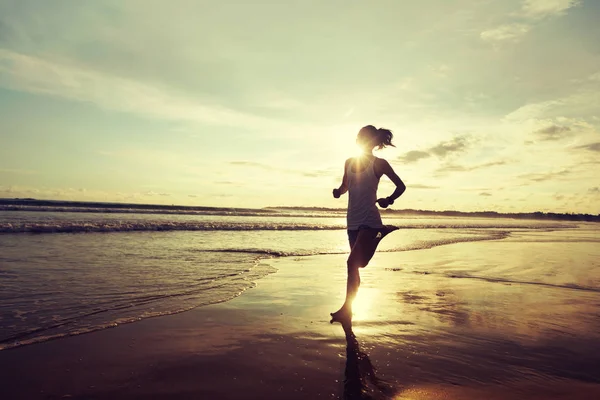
x,y
365,229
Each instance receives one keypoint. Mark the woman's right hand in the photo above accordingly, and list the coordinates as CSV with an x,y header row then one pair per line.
x,y
336,193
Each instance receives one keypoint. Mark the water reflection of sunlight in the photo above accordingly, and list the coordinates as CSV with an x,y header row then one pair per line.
x,y
362,308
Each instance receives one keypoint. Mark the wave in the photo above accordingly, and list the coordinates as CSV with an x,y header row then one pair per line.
x,y
126,304
263,252
150,226
142,307
162,225
429,244
420,245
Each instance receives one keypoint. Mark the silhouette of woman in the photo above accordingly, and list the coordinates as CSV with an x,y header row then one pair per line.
x,y
365,229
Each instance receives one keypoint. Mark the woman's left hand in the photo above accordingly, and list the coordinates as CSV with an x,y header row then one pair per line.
x,y
383,202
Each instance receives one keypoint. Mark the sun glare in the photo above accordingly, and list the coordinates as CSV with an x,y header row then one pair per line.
x,y
362,308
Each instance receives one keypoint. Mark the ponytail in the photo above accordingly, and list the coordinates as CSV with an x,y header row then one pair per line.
x,y
384,138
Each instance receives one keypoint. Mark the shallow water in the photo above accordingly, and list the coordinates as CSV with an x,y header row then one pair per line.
x,y
66,273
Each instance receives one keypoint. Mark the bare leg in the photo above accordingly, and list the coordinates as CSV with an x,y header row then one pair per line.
x,y
360,255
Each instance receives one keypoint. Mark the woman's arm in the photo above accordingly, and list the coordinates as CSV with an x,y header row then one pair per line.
x,y
344,186
388,171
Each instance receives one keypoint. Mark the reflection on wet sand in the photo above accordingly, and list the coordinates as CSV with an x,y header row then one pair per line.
x,y
360,381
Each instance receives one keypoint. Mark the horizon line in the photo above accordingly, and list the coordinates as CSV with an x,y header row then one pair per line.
x,y
67,203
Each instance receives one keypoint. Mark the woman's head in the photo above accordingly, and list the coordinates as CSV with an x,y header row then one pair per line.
x,y
370,137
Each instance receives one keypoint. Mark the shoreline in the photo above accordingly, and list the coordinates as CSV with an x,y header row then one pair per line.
x,y
427,335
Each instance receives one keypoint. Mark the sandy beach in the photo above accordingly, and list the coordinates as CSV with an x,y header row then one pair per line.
x,y
423,331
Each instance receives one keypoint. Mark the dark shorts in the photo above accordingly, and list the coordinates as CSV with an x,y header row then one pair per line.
x,y
353,233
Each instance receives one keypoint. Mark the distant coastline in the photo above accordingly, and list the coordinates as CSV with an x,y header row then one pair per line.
x,y
476,214
26,204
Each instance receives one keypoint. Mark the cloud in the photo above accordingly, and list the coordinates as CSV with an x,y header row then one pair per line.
x,y
590,146
594,190
531,11
546,8
316,173
18,190
70,193
420,186
486,194
532,110
511,32
250,164
535,177
463,168
457,145
225,183
577,110
553,132
153,193
32,74
413,156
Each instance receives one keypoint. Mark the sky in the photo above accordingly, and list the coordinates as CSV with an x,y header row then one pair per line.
x,y
494,104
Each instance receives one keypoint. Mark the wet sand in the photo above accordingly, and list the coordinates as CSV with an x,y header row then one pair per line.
x,y
423,331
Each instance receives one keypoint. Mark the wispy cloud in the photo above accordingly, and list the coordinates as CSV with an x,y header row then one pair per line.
x,y
57,193
250,164
536,177
457,144
464,168
526,17
153,193
225,183
33,74
502,33
532,110
553,132
420,186
546,8
414,156
316,173
485,194
590,146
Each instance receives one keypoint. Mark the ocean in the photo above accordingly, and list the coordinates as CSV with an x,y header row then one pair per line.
x,y
68,271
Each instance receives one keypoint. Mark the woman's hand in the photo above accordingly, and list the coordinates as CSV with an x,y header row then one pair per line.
x,y
337,193
383,202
